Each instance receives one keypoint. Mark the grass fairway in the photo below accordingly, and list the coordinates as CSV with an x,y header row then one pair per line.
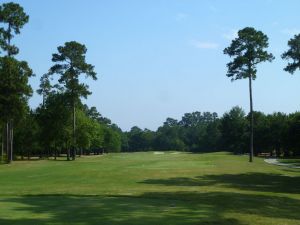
x,y
151,189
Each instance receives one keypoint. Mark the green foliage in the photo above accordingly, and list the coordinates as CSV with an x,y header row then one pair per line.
x,y
55,122
248,51
140,140
112,140
168,136
294,133
14,16
262,126
56,127
89,133
14,74
27,136
293,54
212,137
234,130
278,133
45,87
70,64
84,130
14,87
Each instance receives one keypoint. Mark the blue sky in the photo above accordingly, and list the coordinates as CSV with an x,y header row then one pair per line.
x,y
162,58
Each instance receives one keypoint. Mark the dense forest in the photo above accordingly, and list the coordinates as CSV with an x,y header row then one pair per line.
x,y
63,124
277,133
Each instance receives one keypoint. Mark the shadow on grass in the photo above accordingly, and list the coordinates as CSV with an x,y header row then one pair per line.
x,y
149,208
249,181
251,204
290,162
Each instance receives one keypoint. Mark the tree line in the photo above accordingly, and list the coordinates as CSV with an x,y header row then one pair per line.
x,y
277,134
63,124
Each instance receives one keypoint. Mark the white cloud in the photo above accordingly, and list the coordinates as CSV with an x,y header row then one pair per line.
x,y
291,31
204,44
181,16
230,35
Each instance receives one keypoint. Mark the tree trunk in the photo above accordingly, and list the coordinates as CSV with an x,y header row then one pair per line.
x,y
2,150
74,137
55,150
68,154
277,150
2,145
251,120
11,139
7,142
9,123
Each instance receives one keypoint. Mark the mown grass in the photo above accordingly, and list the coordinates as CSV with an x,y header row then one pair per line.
x,y
148,188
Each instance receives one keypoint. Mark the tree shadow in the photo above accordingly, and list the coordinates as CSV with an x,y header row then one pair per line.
x,y
262,182
147,209
251,204
190,208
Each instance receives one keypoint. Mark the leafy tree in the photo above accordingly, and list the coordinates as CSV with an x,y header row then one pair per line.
x,y
168,137
277,133
211,139
112,140
170,122
233,128
70,64
90,132
12,18
135,139
124,142
97,136
55,123
45,87
27,135
294,133
293,54
84,131
248,50
93,113
262,132
14,93
191,119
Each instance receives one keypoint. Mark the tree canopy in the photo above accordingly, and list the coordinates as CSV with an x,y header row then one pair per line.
x,y
293,54
247,50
